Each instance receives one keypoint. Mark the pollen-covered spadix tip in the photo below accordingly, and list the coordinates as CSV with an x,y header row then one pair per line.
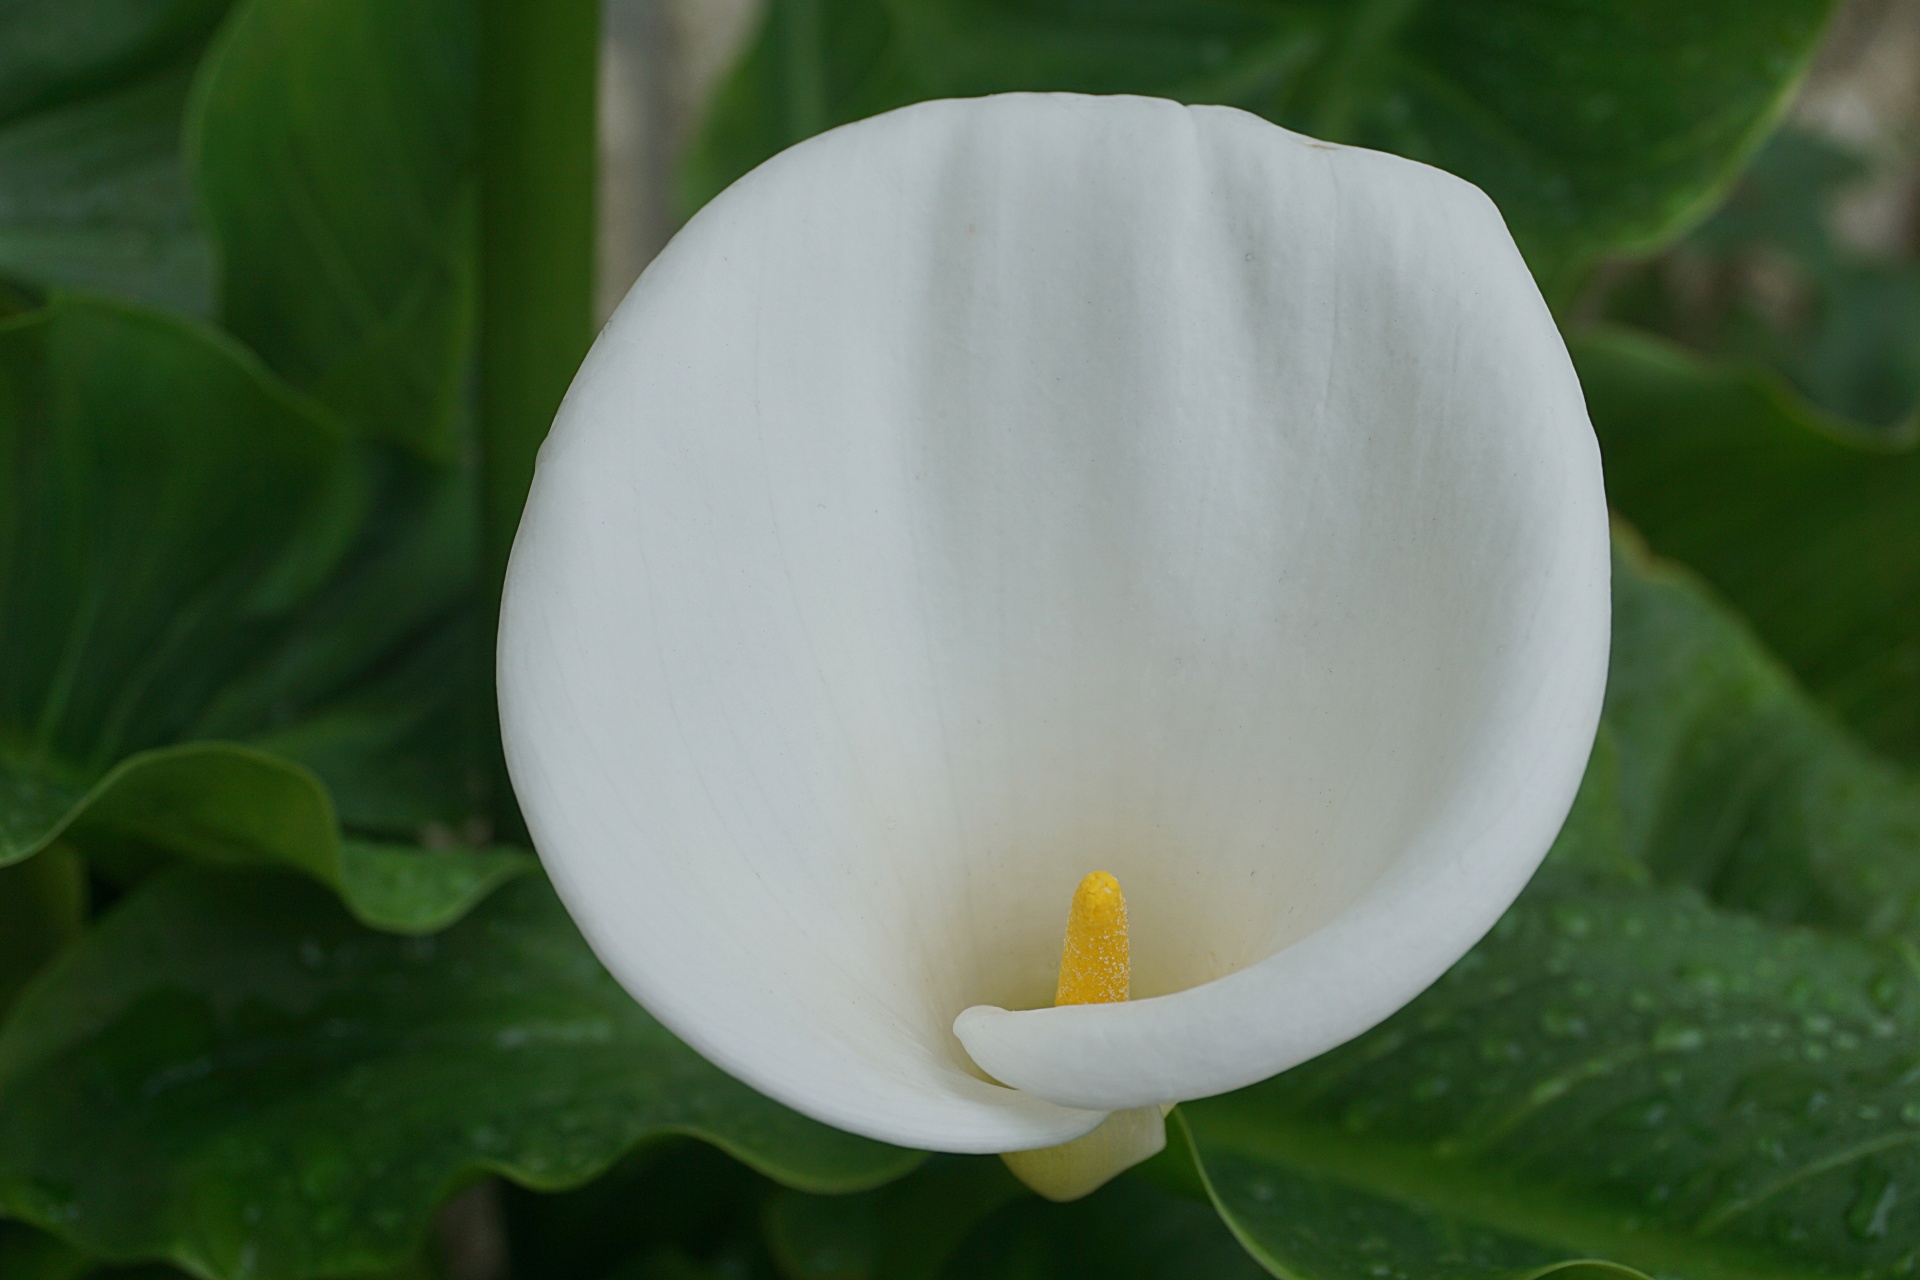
x,y
1093,958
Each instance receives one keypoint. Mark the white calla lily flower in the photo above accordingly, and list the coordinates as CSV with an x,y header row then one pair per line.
x,y
997,491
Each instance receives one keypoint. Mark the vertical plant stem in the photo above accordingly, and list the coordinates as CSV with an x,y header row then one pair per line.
x,y
538,63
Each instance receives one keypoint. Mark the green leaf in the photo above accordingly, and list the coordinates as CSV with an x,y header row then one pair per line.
x,y
93,190
175,564
55,51
166,502
94,195
909,1230
1812,532
231,1074
375,686
1767,280
1658,1076
1731,780
1127,1230
43,904
1617,1073
332,145
30,1254
407,890
676,1194
233,805
1596,126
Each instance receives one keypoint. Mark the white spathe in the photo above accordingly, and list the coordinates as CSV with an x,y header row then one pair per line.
x,y
999,490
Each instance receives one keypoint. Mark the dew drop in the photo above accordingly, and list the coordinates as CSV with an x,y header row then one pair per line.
x,y
1884,990
1495,1050
1563,1024
1677,1037
1571,920
1705,979
1867,1218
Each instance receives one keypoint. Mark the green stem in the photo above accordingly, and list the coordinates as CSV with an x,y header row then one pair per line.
x,y
538,63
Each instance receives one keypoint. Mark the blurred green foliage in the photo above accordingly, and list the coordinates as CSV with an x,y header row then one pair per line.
x,y
1767,280
1596,125
271,993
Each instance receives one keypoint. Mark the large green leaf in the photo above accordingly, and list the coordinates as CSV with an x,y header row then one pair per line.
x,y
94,195
1814,533
1595,125
1627,1074
332,146
231,1074
165,502
375,686
1660,1075
93,190
1766,279
1732,781
225,803
55,51
177,564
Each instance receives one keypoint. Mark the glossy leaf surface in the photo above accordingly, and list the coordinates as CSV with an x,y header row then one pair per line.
x,y
1627,1075
229,1072
1733,781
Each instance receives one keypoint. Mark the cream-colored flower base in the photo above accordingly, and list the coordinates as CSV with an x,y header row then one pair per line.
x,y
1077,1168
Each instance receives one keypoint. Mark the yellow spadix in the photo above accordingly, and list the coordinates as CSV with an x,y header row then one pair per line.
x,y
1093,959
1094,969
